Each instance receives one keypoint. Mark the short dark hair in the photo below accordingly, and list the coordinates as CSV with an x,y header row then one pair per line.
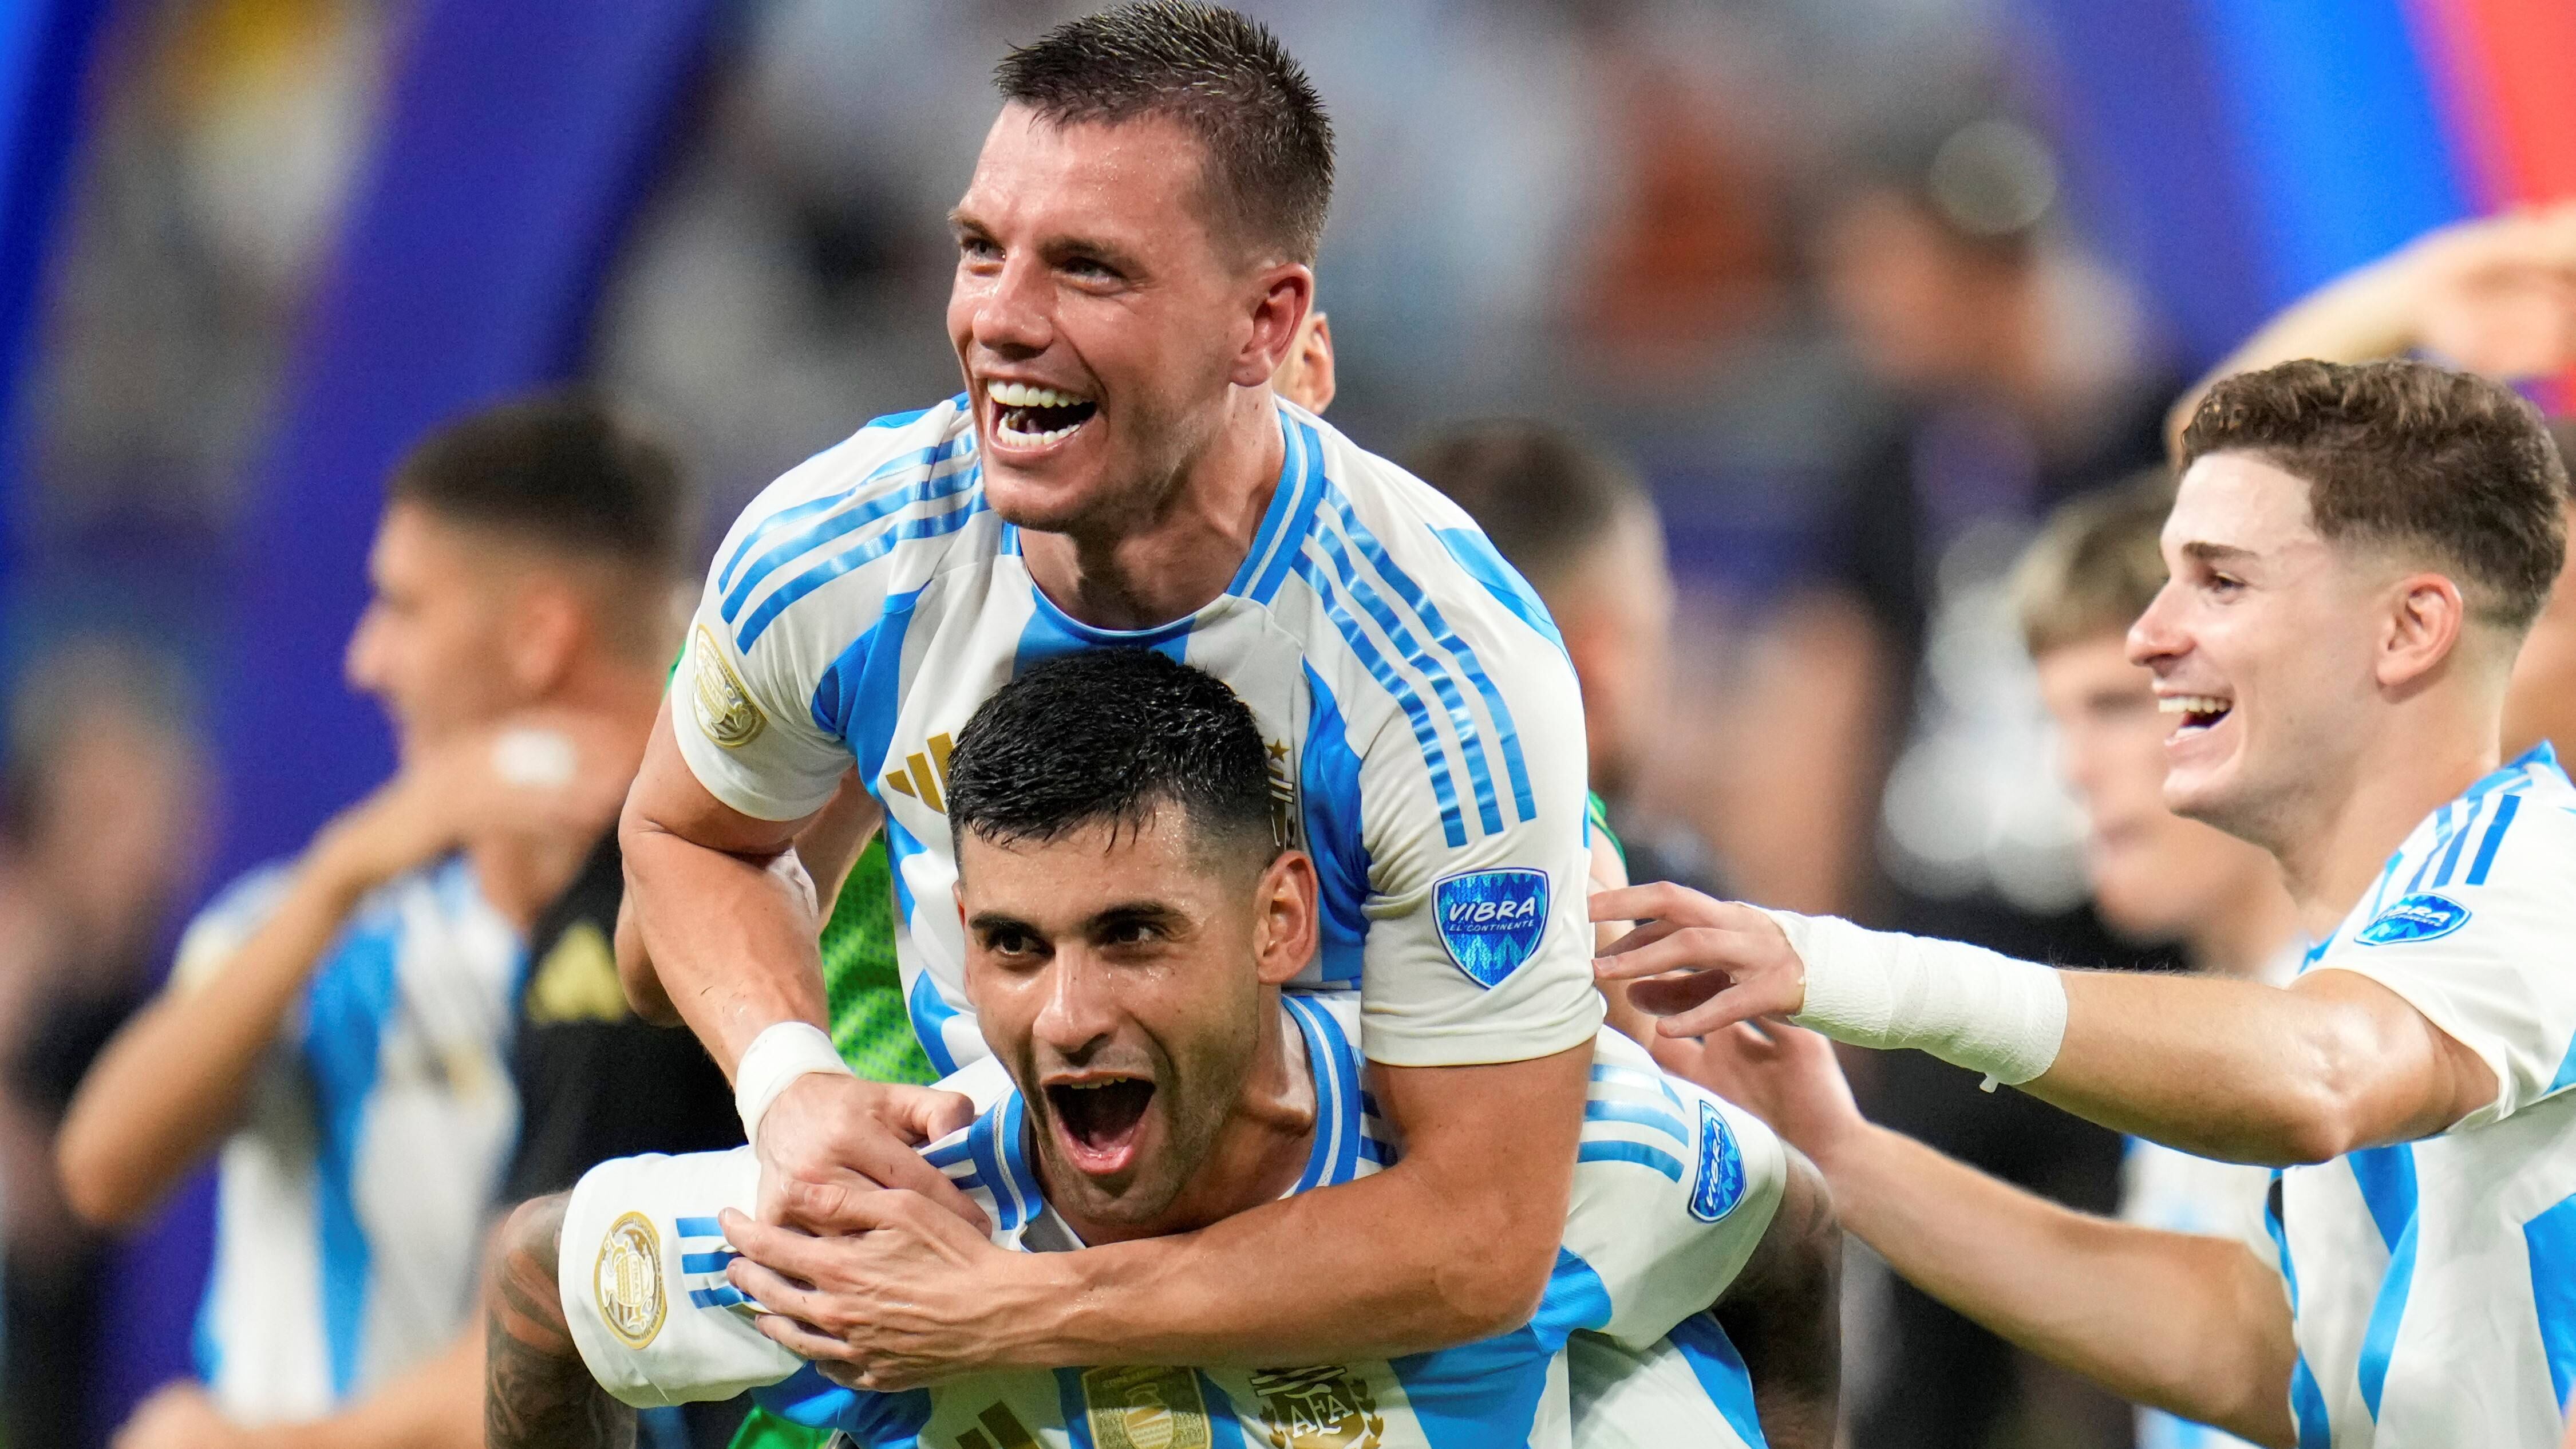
x,y
2096,564
2406,454
1109,736
1222,76
1543,496
568,471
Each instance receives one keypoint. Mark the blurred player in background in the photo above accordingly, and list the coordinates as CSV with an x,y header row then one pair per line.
x,y
102,837
1132,916
337,1027
2356,552
1118,472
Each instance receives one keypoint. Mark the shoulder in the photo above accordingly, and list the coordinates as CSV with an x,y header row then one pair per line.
x,y
902,488
228,919
987,1161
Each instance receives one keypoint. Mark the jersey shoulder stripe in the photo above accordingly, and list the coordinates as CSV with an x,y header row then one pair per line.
x,y
897,481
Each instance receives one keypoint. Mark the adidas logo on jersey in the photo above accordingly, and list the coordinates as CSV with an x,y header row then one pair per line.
x,y
924,777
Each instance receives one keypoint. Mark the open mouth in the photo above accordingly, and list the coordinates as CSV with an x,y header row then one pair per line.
x,y
1100,1119
2200,712
1028,416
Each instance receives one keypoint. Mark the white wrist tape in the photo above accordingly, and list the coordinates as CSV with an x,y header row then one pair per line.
x,y
1964,1004
776,1057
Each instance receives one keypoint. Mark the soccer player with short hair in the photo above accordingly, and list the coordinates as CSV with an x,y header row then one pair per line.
x,y
1134,258
2356,552
1131,917
337,1028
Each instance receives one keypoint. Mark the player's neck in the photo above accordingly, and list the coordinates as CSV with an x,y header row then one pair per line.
x,y
2242,937
1181,551
1259,1152
2412,768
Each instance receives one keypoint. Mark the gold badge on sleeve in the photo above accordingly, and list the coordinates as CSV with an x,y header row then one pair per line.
x,y
725,708
627,1280
1146,1408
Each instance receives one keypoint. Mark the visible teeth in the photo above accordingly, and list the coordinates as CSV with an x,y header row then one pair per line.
x,y
1094,1086
1026,438
2191,704
1025,395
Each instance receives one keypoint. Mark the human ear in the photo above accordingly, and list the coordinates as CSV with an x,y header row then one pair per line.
x,y
1287,292
2424,621
1284,934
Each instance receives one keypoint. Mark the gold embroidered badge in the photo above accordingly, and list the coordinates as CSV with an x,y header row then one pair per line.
x,y
1322,1407
628,1280
725,710
1146,1408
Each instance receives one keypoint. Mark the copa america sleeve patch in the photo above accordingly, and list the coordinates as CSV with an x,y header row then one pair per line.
x,y
2427,917
1491,920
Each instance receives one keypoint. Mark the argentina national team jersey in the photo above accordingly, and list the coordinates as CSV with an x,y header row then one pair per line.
x,y
1672,1192
1425,731
2434,1282
351,1202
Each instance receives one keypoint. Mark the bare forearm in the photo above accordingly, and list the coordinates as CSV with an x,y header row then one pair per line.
x,y
173,1082
730,941
2362,315
1455,1242
2251,1073
2188,1324
438,1405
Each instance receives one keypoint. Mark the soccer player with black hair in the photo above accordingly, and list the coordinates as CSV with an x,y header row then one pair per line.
x,y
1132,916
337,1029
1134,259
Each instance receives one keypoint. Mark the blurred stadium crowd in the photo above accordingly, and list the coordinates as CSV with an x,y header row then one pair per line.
x,y
1763,337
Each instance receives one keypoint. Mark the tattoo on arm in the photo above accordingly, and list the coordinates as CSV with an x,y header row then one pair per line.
x,y
537,1394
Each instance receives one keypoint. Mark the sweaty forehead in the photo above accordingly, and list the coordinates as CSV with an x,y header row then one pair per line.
x,y
1109,180
2236,501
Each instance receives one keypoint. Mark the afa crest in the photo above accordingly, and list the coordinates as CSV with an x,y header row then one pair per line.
x,y
1324,1407
1719,1183
1491,920
1146,1408
627,1280
2424,917
725,709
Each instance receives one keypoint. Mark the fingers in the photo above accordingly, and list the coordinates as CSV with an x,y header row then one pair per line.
x,y
1687,948
928,1112
1739,1003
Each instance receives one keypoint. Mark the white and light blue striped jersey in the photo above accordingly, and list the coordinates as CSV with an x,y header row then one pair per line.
x,y
2434,1282
352,1201
1672,1192
1423,721
2178,1192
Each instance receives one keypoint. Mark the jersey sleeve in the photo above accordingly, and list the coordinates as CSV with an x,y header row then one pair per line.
x,y
1473,801
2481,948
793,593
1674,1188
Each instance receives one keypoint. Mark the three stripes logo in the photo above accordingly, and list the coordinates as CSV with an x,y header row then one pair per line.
x,y
924,776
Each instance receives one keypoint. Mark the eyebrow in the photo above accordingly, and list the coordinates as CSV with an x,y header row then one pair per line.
x,y
2215,552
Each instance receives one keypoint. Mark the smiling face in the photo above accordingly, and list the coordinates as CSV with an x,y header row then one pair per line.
x,y
1126,976
2155,875
2265,644
1103,326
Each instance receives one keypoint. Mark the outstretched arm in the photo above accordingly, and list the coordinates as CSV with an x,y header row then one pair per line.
x,y
1783,1312
2196,1326
2227,1069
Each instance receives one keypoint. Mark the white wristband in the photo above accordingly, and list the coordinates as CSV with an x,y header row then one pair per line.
x,y
1967,1005
776,1057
